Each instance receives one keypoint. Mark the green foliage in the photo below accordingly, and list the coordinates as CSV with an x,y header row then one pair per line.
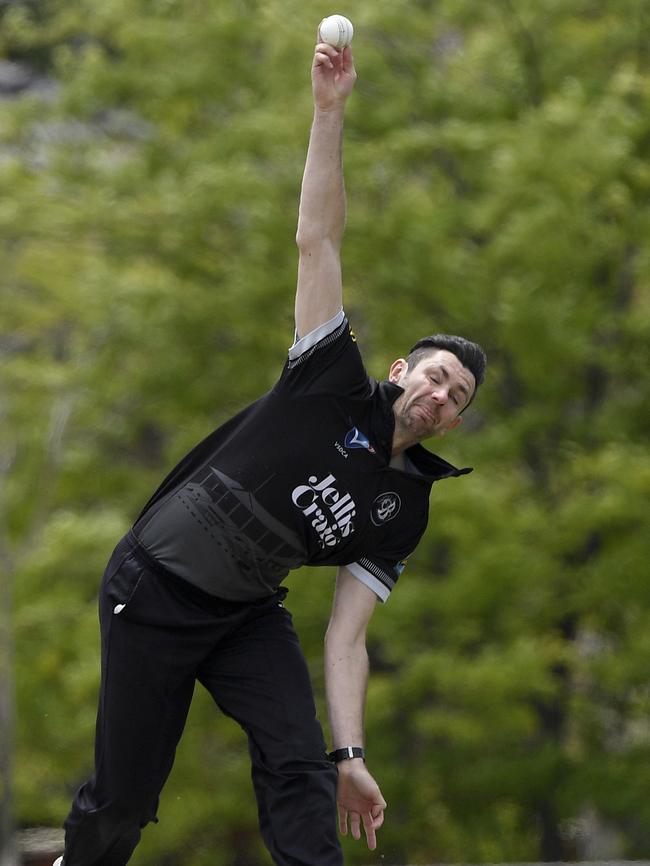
x,y
497,170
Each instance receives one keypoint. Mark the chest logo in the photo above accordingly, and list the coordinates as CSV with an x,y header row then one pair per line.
x,y
385,507
330,511
354,438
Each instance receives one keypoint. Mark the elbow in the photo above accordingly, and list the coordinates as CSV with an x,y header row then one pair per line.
x,y
304,240
345,653
343,641
314,238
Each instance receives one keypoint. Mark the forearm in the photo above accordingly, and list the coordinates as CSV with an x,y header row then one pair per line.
x,y
346,681
321,215
346,677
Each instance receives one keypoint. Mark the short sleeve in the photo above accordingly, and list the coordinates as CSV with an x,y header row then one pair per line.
x,y
325,361
379,575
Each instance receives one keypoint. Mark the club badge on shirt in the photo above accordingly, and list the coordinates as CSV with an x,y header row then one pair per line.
x,y
385,507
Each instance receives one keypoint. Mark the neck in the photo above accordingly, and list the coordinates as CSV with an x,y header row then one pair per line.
x,y
398,461
401,441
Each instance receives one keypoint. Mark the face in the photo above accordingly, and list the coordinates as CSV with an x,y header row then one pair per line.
x,y
436,391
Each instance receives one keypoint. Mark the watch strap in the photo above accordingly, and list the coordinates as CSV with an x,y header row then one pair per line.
x,y
346,754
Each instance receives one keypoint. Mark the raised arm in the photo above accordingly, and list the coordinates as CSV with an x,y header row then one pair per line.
x,y
321,218
346,674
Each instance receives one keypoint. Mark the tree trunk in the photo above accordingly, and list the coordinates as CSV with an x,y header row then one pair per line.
x,y
8,856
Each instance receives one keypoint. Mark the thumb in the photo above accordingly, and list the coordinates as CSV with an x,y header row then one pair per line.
x,y
377,815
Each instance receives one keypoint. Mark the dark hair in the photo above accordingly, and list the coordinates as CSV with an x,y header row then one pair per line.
x,y
471,355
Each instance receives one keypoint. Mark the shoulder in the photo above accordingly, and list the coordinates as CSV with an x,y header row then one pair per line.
x,y
327,360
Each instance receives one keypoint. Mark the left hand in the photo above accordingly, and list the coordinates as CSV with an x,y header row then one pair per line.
x,y
359,799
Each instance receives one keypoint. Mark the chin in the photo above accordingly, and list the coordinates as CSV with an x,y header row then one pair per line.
x,y
425,432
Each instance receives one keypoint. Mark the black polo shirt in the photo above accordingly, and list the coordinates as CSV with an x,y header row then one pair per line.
x,y
301,476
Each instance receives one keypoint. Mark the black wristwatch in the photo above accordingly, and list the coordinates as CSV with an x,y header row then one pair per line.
x,y
346,754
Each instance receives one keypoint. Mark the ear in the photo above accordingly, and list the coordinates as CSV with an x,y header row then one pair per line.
x,y
397,369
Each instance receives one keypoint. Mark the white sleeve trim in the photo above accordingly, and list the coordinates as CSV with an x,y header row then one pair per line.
x,y
381,591
302,344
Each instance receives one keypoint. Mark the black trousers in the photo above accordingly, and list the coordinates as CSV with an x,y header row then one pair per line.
x,y
159,635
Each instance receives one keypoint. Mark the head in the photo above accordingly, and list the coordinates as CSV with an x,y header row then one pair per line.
x,y
440,377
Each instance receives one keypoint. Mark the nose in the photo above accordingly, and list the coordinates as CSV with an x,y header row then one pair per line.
x,y
440,395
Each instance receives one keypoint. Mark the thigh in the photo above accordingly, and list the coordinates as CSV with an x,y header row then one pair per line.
x,y
260,678
147,681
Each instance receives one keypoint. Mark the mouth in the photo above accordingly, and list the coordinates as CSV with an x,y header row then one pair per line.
x,y
426,414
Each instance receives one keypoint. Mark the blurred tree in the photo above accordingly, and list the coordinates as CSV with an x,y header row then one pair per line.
x,y
515,176
497,169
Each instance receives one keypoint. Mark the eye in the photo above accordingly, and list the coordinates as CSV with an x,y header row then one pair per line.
x,y
435,379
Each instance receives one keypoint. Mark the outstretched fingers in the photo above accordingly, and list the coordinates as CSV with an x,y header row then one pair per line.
x,y
355,822
343,819
371,821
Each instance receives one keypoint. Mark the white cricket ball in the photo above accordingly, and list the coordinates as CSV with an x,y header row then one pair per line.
x,y
336,30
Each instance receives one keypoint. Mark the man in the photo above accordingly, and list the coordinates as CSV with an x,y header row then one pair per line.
x,y
325,469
